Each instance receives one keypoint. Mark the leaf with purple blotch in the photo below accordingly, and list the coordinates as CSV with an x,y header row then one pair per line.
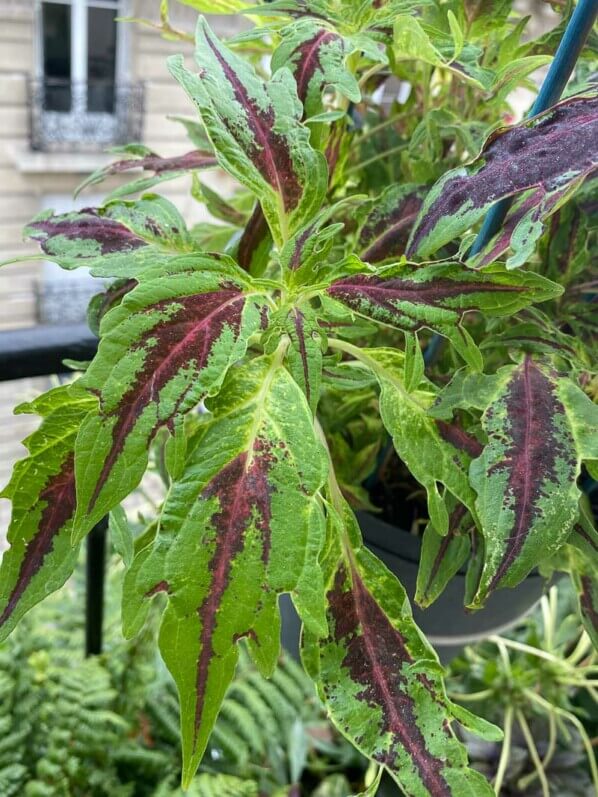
x,y
256,130
548,155
583,553
255,243
118,240
167,346
437,296
235,531
304,355
540,426
147,161
379,678
442,557
304,257
316,56
41,555
385,230
433,455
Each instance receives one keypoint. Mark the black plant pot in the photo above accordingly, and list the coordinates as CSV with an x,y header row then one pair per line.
x,y
445,623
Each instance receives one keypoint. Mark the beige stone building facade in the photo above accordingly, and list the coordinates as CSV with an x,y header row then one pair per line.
x,y
73,82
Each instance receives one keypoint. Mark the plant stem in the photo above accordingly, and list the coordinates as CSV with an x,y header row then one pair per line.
x,y
471,697
533,751
362,164
521,646
578,725
505,750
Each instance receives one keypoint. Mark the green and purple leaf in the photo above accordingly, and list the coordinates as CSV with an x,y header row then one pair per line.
x,y
256,130
381,681
547,157
583,553
167,346
235,531
431,454
385,231
539,426
163,169
118,240
304,355
442,557
437,296
42,490
316,56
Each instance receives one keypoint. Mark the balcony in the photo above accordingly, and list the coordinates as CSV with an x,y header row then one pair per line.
x,y
84,117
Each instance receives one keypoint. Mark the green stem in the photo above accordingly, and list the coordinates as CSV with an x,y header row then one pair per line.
x,y
578,725
521,646
464,698
505,750
533,751
362,164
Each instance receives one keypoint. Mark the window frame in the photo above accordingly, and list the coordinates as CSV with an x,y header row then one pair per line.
x,y
79,61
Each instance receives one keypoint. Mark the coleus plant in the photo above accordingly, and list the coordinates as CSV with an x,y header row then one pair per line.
x,y
269,355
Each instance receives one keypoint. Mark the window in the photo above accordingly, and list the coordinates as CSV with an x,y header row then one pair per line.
x,y
79,88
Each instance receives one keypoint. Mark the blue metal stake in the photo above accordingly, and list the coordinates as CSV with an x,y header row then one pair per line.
x,y
564,61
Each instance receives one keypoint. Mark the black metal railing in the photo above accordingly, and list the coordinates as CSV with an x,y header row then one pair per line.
x,y
67,116
40,351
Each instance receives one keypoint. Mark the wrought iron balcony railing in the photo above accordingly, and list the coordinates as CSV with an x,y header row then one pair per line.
x,y
68,116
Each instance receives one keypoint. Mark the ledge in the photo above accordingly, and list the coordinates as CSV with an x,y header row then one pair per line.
x,y
30,162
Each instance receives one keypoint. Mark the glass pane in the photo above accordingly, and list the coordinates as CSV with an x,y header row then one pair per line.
x,y
101,59
56,42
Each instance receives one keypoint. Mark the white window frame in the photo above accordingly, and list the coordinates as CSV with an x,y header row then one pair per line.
x,y
79,116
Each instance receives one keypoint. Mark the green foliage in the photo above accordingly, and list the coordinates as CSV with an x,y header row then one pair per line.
x,y
109,725
261,363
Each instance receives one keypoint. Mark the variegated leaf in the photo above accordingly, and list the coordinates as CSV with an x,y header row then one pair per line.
x,y
426,449
385,231
163,349
583,545
119,240
316,56
442,557
548,155
438,296
257,132
380,679
304,355
235,531
42,490
539,426
163,169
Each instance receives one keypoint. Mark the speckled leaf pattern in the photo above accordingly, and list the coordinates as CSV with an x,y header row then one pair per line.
x,y
539,428
583,545
385,231
316,56
429,453
163,349
119,240
437,296
381,681
442,557
163,169
550,154
42,490
257,132
304,356
235,531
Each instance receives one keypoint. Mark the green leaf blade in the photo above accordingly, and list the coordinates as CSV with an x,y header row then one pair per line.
x,y
235,531
162,350
42,490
